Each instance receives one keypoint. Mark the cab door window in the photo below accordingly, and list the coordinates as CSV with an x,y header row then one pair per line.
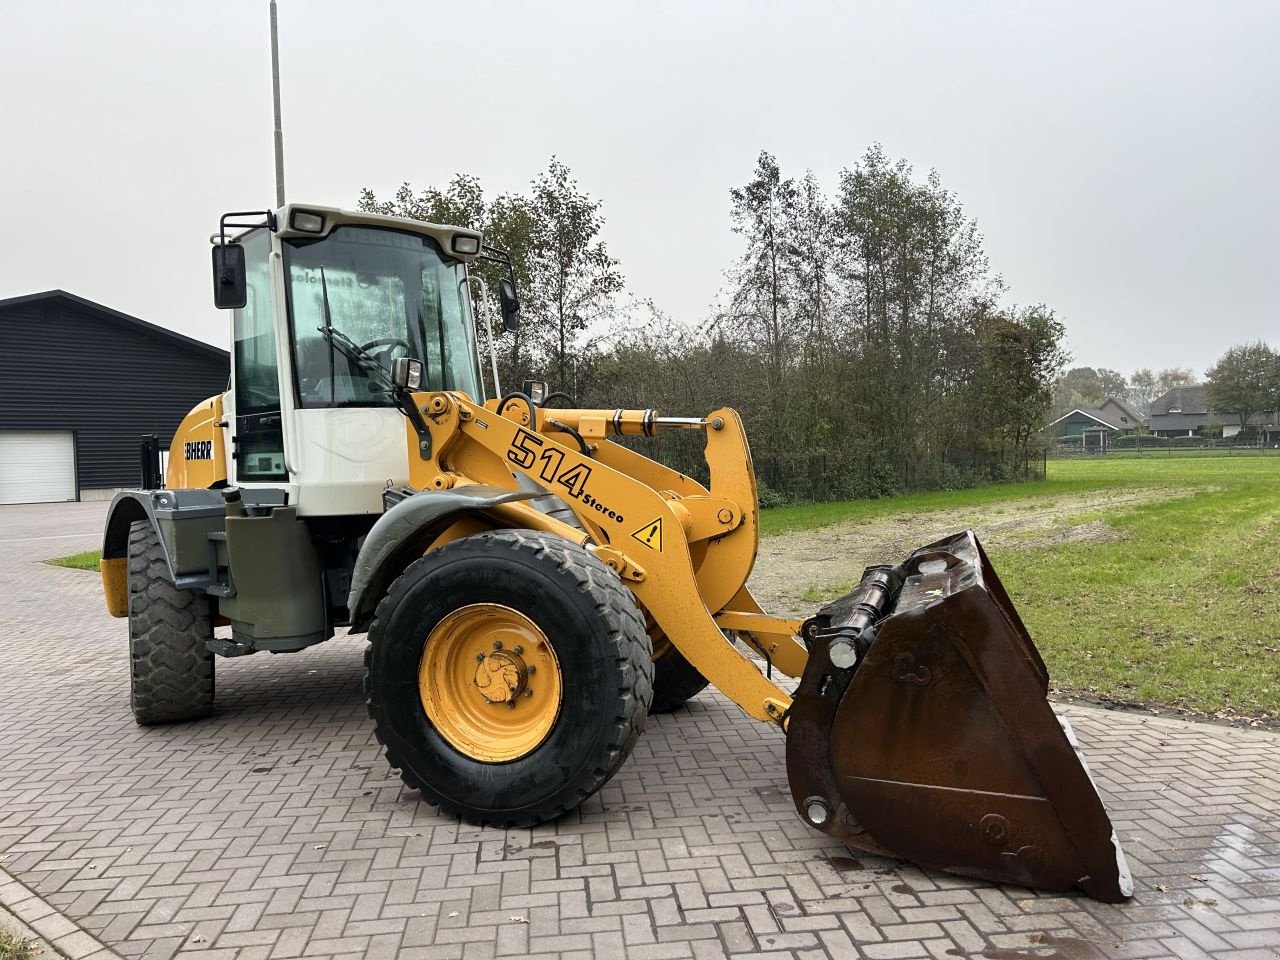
x,y
258,439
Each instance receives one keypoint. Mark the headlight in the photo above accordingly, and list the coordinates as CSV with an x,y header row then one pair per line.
x,y
467,244
307,222
406,373
535,390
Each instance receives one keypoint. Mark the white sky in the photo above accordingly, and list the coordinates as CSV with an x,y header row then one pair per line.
x,y
1120,157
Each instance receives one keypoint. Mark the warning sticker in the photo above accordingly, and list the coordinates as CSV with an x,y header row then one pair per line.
x,y
650,535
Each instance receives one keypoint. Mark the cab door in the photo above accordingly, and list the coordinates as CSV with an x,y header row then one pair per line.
x,y
257,426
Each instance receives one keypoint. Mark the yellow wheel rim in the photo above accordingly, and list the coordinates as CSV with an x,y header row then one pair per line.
x,y
490,682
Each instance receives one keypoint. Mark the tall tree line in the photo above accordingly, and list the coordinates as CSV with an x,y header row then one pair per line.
x,y
861,333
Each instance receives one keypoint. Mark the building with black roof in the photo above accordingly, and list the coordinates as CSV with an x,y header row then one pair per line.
x,y
1186,412
80,384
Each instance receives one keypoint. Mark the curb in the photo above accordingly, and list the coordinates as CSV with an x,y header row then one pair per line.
x,y
36,920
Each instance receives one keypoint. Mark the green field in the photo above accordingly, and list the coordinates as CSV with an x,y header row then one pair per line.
x,y
1183,609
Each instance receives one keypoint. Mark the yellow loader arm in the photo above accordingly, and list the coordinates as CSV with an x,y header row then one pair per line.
x,y
683,550
919,728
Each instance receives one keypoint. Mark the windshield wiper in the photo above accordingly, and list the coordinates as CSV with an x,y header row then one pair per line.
x,y
353,350
357,354
403,398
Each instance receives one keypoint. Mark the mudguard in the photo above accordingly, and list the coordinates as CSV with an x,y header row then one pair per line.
x,y
405,531
183,521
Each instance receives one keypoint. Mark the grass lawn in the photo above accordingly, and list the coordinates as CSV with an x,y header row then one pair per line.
x,y
1183,609
79,561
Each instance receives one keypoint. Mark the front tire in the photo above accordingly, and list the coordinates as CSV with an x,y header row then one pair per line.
x,y
171,669
453,699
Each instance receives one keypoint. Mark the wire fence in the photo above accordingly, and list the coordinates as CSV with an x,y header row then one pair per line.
x,y
1151,445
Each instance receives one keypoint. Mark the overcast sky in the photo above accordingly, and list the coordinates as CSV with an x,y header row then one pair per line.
x,y
1120,158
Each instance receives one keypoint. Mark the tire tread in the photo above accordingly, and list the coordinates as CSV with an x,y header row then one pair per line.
x,y
171,670
626,637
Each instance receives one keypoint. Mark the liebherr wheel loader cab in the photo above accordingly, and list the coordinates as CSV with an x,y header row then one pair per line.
x,y
532,588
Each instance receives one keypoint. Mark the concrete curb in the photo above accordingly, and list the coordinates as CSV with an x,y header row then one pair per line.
x,y
35,919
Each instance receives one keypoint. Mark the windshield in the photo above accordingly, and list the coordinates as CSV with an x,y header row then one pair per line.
x,y
391,294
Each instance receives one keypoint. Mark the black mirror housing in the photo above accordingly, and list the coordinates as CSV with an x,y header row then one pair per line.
x,y
510,306
230,281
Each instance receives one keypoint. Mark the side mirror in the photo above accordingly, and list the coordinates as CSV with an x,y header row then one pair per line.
x,y
406,373
229,279
510,306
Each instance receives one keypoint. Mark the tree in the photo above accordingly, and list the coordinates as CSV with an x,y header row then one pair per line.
x,y
566,276
1078,387
763,212
460,203
572,275
1022,354
1141,389
916,281
1245,381
1172,377
1112,384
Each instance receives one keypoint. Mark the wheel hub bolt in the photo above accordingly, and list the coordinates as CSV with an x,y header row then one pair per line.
x,y
511,704
531,670
497,644
479,658
528,692
517,650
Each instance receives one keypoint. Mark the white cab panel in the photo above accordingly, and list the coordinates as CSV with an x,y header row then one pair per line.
x,y
341,459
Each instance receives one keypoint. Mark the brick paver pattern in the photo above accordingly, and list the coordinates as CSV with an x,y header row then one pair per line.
x,y
276,829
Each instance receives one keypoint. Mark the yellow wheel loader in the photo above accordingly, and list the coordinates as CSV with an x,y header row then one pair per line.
x,y
532,588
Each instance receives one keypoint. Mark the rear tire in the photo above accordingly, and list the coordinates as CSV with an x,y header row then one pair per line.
x,y
171,669
675,680
601,655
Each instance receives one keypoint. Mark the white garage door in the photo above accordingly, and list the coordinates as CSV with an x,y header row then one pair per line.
x,y
37,466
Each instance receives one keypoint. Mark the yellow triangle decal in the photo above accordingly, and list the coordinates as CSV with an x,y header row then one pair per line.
x,y
650,535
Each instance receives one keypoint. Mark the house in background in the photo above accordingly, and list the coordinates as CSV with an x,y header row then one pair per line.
x,y
1118,412
1097,428
1185,412
1181,412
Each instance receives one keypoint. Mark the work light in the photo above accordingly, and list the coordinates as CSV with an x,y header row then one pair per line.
x,y
466,243
307,222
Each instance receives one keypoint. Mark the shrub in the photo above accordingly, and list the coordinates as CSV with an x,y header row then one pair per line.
x,y
1139,441
768,496
951,477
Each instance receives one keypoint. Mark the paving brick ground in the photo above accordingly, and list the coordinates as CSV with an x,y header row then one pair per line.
x,y
275,829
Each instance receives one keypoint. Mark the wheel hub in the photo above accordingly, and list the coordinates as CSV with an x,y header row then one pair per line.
x,y
490,682
501,676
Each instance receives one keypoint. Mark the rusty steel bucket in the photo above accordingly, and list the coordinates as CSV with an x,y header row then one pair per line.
x,y
920,730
